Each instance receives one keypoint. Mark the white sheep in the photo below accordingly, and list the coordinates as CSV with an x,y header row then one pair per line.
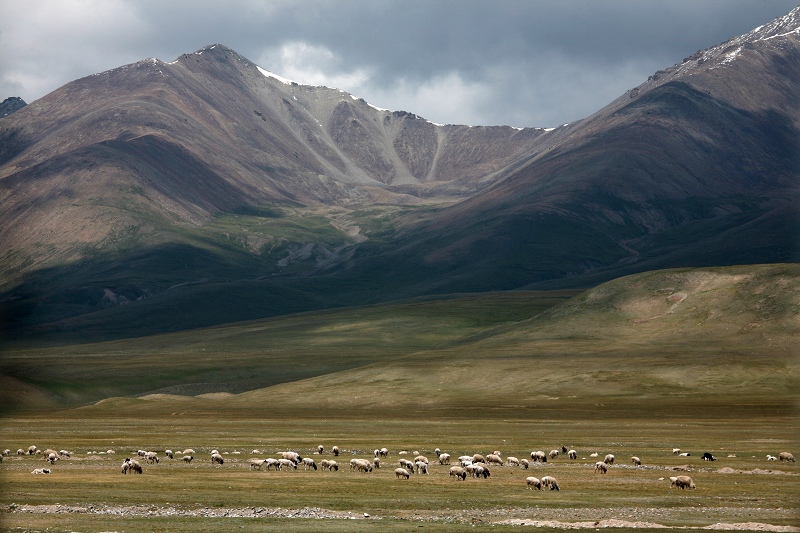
x,y
383,452
684,454
494,459
525,464
600,467
771,458
676,451
133,466
328,464
553,454
539,457
405,463
551,482
216,458
286,463
682,482
512,461
20,452
572,454
320,449
271,462
292,456
533,482
32,450
257,463
421,458
401,473
187,458
64,453
444,458
376,462
609,459
6,452
51,458
308,462
421,467
40,471
335,451
786,456
478,458
636,461
169,453
151,457
481,471
458,473
360,465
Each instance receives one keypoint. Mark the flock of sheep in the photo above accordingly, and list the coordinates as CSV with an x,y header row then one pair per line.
x,y
476,465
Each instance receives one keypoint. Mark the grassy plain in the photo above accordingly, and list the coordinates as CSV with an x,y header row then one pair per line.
x,y
703,360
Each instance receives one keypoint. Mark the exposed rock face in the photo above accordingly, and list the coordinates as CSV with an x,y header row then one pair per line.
x,y
11,105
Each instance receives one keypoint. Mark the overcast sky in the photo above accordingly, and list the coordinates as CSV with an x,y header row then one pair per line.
x,y
522,63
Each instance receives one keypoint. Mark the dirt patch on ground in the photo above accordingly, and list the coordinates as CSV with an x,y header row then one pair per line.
x,y
486,516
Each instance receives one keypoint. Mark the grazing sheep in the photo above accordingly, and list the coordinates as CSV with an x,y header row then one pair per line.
x,y
539,457
308,462
553,454
215,451
32,450
331,465
51,458
525,464
320,449
533,482
40,471
494,459
481,470
444,458
335,451
572,454
551,482
421,467
405,463
636,461
708,457
771,458
786,456
383,452
676,451
438,452
682,482
360,465
64,453
6,452
271,462
376,462
187,458
133,466
188,451
151,457
512,461
20,452
609,459
471,468
286,463
257,463
478,458
600,467
458,473
217,458
125,467
292,456
401,472
421,458
169,453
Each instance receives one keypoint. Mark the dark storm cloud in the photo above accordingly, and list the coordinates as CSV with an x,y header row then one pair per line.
x,y
535,63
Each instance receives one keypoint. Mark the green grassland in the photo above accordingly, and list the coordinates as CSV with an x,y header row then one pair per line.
x,y
700,359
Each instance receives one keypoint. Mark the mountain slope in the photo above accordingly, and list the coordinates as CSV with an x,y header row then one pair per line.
x,y
700,165
162,196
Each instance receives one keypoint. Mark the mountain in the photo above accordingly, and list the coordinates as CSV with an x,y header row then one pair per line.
x,y
11,105
161,196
